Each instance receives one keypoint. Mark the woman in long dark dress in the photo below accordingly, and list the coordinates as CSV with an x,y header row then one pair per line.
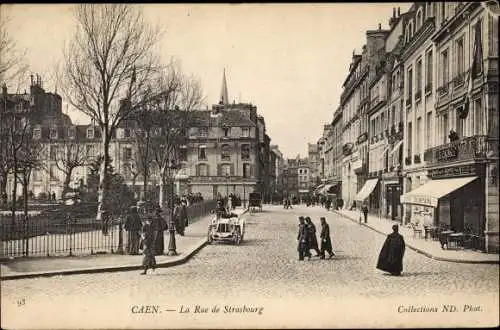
x,y
160,225
148,246
313,241
391,256
133,227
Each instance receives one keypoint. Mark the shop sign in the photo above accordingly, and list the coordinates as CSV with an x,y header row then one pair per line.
x,y
446,154
455,171
421,200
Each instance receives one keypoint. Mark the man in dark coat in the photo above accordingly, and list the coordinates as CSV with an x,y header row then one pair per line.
x,y
313,241
179,218
160,225
391,255
326,242
364,209
133,227
302,237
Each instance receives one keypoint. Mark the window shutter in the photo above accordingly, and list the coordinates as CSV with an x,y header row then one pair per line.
x,y
198,170
250,167
219,169
208,169
232,170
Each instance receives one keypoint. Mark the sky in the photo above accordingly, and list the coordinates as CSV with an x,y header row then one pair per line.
x,y
289,60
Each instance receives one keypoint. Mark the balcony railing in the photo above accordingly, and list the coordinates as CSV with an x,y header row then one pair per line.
x,y
408,160
442,90
418,95
469,148
459,80
416,159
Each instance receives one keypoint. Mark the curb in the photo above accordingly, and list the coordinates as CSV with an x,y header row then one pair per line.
x,y
418,250
178,261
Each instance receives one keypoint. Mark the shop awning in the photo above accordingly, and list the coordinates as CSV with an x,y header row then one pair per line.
x,y
327,189
366,190
318,188
430,193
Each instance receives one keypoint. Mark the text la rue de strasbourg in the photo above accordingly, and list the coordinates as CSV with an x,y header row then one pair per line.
x,y
465,308
198,309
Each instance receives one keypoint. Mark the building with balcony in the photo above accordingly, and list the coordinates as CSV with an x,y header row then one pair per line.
x,y
314,163
355,104
277,168
451,133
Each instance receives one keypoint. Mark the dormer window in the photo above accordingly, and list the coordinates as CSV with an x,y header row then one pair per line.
x,y
53,133
126,132
90,133
226,131
245,132
37,133
419,20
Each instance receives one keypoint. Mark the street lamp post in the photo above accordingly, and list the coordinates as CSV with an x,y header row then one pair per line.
x,y
171,228
244,196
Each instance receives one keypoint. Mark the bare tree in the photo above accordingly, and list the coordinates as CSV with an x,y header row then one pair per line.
x,y
181,95
68,154
12,60
110,58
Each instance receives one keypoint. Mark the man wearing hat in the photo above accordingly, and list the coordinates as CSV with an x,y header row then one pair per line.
x,y
160,225
391,256
133,227
302,237
326,242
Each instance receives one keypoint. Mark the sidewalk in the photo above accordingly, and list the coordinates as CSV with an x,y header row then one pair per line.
x,y
429,248
188,245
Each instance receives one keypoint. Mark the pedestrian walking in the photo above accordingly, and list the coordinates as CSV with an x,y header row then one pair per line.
x,y
185,213
391,256
179,217
160,225
302,237
105,219
364,209
311,232
326,242
133,227
148,246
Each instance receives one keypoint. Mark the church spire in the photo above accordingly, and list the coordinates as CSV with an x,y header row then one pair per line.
x,y
223,91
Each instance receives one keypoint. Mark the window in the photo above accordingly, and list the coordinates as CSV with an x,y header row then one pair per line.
x,y
428,79
203,131
428,7
226,131
71,132
203,170
418,131
245,151
127,172
90,133
460,125
477,55
428,131
478,117
419,76
53,152
201,153
459,49
37,133
225,170
393,115
410,138
419,18
53,173
443,12
225,152
444,67
53,133
245,132
126,132
445,128
37,176
409,83
183,154
127,153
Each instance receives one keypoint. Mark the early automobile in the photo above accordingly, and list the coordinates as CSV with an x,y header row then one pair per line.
x,y
255,202
226,229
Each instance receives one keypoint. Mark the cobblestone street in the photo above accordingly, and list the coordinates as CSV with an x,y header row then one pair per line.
x,y
264,268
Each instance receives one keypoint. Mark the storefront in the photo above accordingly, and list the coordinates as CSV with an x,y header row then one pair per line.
x,y
452,199
368,191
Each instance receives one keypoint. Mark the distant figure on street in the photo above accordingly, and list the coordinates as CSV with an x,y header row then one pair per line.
x,y
313,241
105,218
184,212
364,209
148,246
302,237
326,242
391,256
133,227
179,217
160,225
53,196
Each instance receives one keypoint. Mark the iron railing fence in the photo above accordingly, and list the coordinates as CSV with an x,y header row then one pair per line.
x,y
39,236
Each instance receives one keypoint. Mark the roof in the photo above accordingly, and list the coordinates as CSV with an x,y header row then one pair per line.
x,y
230,118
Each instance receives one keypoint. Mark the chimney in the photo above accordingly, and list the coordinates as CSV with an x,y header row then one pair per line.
x,y
394,12
32,81
399,11
4,90
379,26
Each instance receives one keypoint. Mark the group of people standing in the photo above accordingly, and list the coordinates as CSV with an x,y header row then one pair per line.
x,y
147,234
308,241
